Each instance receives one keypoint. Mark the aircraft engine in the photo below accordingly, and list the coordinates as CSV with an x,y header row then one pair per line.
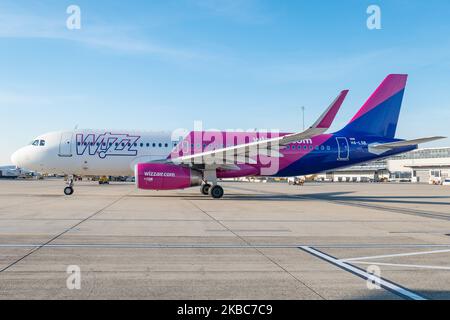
x,y
151,176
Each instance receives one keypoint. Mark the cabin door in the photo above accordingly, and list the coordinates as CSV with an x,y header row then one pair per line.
x,y
343,149
65,145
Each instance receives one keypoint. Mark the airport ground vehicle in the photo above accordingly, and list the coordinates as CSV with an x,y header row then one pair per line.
x,y
103,180
296,181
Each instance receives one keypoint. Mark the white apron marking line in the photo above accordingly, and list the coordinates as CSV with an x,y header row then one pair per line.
x,y
396,289
419,266
395,255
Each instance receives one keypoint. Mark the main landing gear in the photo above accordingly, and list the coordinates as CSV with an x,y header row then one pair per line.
x,y
68,191
216,192
204,189
210,187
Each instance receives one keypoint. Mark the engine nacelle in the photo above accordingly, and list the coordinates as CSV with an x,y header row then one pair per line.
x,y
152,176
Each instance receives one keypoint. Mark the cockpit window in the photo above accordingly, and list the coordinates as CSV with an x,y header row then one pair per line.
x,y
38,143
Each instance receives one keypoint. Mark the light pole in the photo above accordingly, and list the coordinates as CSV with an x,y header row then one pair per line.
x,y
303,117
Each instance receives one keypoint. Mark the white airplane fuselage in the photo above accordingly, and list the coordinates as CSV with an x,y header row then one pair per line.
x,y
90,152
166,161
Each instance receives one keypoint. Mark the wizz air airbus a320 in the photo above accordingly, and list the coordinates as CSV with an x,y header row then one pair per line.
x,y
161,161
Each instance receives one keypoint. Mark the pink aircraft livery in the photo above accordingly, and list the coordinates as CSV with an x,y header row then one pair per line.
x,y
169,161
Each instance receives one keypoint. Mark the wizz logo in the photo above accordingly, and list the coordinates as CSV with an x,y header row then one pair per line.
x,y
107,144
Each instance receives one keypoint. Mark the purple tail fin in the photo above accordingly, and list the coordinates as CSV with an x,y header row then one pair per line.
x,y
379,115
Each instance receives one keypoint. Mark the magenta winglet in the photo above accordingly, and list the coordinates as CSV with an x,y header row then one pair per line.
x,y
393,84
334,108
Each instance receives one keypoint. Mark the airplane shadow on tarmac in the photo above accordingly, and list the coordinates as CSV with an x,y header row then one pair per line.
x,y
346,196
327,196
342,197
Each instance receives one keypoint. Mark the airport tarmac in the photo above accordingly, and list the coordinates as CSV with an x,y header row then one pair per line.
x,y
261,241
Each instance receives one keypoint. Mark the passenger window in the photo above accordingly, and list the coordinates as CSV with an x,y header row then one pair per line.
x,y
160,145
166,145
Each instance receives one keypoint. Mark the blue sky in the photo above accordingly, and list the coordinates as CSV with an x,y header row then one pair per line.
x,y
234,64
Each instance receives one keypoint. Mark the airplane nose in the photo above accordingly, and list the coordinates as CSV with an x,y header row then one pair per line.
x,y
17,158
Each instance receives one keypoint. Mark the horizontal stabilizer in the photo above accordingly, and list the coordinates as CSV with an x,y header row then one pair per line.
x,y
405,143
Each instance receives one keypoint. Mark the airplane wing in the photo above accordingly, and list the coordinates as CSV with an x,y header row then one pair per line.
x,y
243,153
405,143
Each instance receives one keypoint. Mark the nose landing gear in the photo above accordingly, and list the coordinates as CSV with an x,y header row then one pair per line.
x,y
68,191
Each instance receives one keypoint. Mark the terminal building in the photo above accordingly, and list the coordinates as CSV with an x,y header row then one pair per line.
x,y
419,166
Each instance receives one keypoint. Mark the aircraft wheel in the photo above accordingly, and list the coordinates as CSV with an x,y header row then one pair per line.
x,y
216,192
68,191
205,189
